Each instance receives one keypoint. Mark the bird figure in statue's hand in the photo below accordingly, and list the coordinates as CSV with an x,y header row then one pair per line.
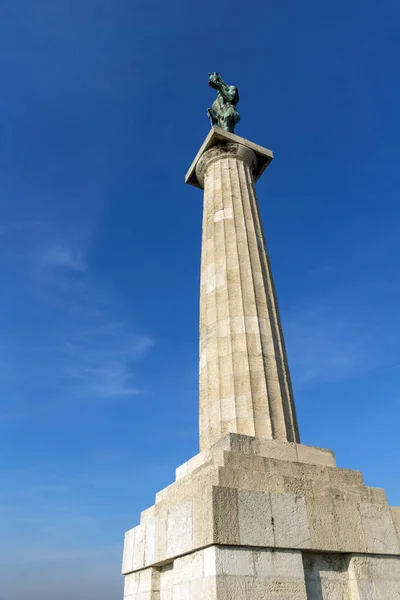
x,y
223,112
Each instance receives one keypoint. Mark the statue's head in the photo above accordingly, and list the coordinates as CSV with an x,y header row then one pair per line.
x,y
215,80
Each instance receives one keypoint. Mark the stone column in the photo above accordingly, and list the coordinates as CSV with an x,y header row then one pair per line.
x,y
245,384
237,523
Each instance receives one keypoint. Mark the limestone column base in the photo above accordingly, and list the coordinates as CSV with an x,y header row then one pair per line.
x,y
256,519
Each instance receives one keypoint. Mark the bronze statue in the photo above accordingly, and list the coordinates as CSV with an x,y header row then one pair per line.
x,y
223,112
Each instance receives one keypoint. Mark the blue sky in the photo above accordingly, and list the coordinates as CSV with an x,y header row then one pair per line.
x,y
102,108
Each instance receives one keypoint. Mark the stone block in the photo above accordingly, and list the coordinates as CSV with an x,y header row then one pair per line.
x,y
275,564
166,581
180,529
321,522
387,589
210,561
228,409
140,583
131,584
144,596
275,590
181,591
150,542
246,479
162,494
396,519
231,587
380,534
326,576
245,462
262,426
255,519
371,495
203,522
245,425
235,442
324,488
278,449
225,516
374,577
203,589
147,514
190,465
290,525
234,561
281,467
297,486
316,473
139,546
127,557
320,456
188,567
161,537
345,477
349,532
364,590
243,406
374,567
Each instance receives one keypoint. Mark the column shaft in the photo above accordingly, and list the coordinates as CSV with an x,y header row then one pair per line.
x,y
244,377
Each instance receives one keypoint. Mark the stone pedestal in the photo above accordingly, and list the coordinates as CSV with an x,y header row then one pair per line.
x,y
256,515
257,519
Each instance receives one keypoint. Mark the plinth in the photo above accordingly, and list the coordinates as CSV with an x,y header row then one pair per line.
x,y
256,515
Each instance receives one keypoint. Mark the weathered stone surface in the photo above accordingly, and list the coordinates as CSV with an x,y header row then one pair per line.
x,y
259,574
290,521
140,585
248,500
225,516
326,577
127,557
396,519
241,572
374,577
253,446
255,519
180,529
379,530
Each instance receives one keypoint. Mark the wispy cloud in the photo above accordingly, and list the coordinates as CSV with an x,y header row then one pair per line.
x,y
100,360
62,257
97,346
80,339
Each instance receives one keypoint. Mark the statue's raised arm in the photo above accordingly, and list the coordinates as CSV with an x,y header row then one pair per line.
x,y
223,112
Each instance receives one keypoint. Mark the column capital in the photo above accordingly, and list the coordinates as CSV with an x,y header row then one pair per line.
x,y
228,143
225,150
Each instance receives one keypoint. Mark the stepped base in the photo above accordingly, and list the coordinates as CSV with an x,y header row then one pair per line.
x,y
261,519
231,573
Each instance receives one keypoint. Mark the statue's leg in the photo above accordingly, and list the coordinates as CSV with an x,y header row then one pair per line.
x,y
228,124
211,116
231,118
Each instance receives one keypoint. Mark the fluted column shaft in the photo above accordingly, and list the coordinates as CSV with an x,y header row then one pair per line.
x,y
244,377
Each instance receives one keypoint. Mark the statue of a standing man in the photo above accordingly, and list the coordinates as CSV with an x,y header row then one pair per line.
x,y
223,112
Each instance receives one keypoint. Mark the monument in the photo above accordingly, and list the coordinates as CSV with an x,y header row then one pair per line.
x,y
256,515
